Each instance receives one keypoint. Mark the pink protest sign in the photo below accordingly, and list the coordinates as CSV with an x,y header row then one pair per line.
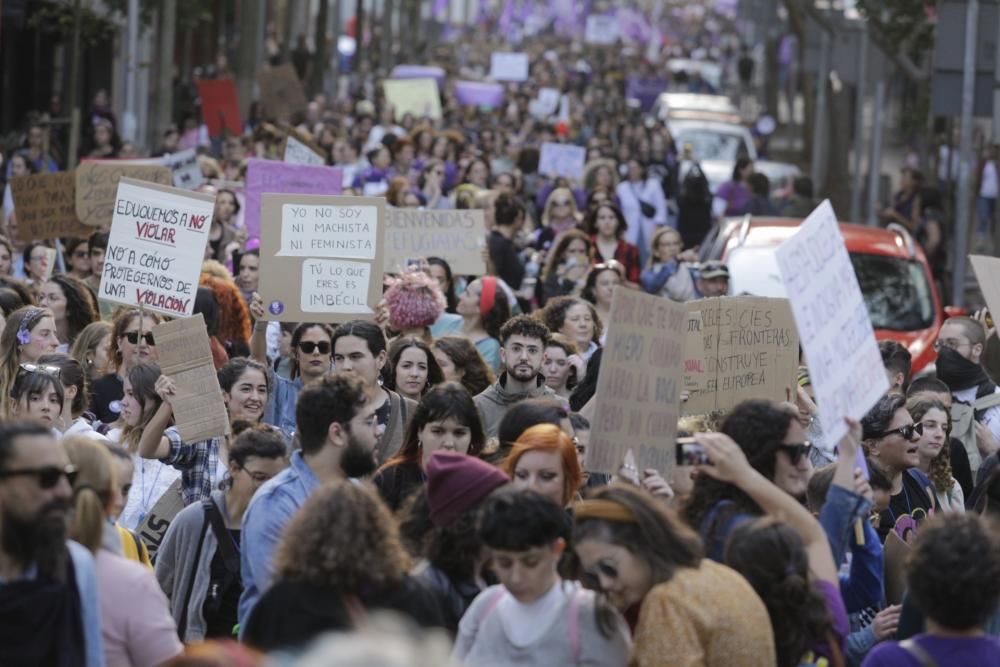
x,y
288,179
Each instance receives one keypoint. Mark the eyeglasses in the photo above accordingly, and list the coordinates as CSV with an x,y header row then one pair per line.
x,y
796,451
37,368
257,477
47,476
133,338
308,347
951,343
906,432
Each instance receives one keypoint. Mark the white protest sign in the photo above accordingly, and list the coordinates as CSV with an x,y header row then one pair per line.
x,y
509,66
601,30
328,231
562,160
157,244
547,102
184,169
297,152
845,365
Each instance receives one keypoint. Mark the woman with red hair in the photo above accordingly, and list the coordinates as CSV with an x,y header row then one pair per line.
x,y
544,459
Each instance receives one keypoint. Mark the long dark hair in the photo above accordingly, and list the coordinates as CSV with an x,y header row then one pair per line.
x,y
80,307
71,373
449,292
476,374
435,375
297,335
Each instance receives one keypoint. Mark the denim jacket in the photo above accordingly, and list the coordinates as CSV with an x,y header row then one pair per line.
x,y
863,587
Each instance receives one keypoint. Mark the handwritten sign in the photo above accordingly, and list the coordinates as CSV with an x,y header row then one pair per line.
x,y
97,186
837,337
602,30
298,151
638,390
562,160
509,66
220,107
280,177
987,273
479,94
323,261
281,91
184,169
152,529
417,97
154,255
456,236
546,104
738,348
185,355
46,206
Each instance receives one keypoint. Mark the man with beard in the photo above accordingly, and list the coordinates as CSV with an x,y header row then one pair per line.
x,y
522,349
975,412
48,589
339,434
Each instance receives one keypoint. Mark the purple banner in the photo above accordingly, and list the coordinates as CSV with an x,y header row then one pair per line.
x,y
419,72
281,177
475,93
645,90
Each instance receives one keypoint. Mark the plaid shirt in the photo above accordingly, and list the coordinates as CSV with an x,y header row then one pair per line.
x,y
197,461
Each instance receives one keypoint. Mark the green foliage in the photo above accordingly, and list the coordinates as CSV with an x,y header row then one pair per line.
x,y
55,20
903,24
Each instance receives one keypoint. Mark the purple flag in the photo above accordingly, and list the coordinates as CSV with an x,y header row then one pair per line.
x,y
439,10
475,93
506,17
280,177
419,72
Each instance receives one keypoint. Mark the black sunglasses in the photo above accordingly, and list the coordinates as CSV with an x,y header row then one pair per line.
x,y
48,476
796,451
323,346
133,338
905,431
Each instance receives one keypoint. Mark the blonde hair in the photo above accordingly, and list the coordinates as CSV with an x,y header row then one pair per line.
x,y
555,194
655,242
93,489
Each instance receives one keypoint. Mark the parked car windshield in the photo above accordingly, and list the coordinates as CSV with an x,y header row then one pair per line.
x,y
709,144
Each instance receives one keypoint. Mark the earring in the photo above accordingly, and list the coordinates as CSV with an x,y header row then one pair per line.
x,y
379,381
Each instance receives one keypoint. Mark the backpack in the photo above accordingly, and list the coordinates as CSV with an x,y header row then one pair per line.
x,y
963,424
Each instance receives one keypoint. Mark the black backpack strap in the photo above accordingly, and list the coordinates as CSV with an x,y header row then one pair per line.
x,y
182,622
230,555
918,652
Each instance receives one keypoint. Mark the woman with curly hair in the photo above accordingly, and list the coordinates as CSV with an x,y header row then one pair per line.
x,y
72,303
935,457
340,556
461,362
412,369
484,308
567,266
445,420
234,325
576,319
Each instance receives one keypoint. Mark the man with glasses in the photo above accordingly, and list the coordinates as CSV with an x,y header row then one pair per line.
x,y
959,346
48,589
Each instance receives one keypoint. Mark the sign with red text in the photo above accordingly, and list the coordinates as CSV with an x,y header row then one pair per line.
x,y
638,389
157,244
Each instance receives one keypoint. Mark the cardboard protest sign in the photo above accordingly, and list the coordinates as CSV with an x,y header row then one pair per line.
x,y
220,107
419,72
845,365
601,30
321,259
281,91
418,97
562,160
738,348
456,236
184,169
186,356
97,186
638,390
153,526
157,244
987,273
509,66
896,551
46,206
280,177
299,151
49,263
479,94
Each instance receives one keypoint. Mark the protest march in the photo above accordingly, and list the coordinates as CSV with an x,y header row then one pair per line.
x,y
412,334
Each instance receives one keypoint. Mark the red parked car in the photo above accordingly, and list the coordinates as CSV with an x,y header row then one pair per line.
x,y
895,279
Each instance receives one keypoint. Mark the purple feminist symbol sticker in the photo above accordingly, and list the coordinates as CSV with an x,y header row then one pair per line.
x,y
276,308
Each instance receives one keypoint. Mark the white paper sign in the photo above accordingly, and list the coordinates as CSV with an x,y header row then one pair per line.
x,y
335,286
601,29
157,244
547,103
562,160
328,231
297,152
509,66
184,169
845,365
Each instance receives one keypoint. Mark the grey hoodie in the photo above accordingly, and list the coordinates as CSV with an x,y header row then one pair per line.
x,y
494,401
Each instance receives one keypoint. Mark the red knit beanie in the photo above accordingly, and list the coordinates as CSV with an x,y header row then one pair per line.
x,y
457,482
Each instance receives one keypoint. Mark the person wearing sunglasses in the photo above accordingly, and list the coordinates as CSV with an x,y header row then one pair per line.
x,y
132,343
202,544
891,440
682,608
28,333
37,395
774,442
47,583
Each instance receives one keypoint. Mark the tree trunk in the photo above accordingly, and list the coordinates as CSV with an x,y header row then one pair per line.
x,y
359,33
165,85
388,6
319,57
